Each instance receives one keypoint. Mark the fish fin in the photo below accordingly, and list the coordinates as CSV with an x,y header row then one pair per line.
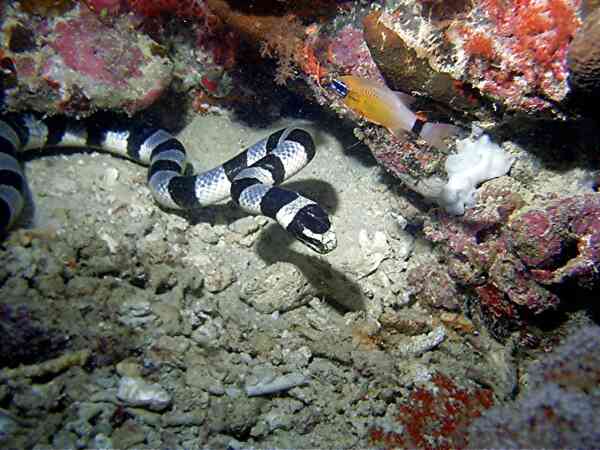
x,y
405,98
436,133
400,132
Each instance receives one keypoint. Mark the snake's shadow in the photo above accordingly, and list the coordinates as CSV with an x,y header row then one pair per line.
x,y
339,291
274,245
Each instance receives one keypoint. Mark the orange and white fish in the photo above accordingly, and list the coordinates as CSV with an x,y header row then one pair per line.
x,y
380,105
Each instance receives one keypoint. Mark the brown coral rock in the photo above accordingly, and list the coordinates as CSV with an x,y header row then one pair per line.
x,y
584,58
404,70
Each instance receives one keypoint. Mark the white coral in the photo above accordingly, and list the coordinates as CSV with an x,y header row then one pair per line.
x,y
476,161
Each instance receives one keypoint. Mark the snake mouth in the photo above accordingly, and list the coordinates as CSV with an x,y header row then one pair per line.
x,y
328,243
312,227
320,243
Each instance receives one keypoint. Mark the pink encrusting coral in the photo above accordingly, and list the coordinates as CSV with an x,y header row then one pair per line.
x,y
93,49
518,52
482,258
560,240
81,63
511,255
348,53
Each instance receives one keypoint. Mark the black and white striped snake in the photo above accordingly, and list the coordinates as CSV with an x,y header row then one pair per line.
x,y
250,178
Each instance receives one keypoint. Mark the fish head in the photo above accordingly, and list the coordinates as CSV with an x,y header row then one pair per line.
x,y
339,87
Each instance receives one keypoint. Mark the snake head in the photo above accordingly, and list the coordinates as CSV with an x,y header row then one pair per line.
x,y
312,227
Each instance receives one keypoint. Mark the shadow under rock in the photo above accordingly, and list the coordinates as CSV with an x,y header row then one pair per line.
x,y
558,145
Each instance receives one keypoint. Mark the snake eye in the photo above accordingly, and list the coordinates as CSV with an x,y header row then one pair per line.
x,y
339,87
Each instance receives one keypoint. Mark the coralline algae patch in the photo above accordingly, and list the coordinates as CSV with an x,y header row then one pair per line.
x,y
77,64
348,52
560,240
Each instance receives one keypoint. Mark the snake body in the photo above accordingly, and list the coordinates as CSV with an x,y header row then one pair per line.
x,y
250,178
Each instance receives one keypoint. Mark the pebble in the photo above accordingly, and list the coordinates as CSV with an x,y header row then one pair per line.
x,y
128,435
110,177
101,441
219,279
169,350
64,439
169,316
111,243
137,392
105,396
394,225
153,245
100,265
244,226
129,368
281,416
278,384
178,419
280,287
209,333
298,357
206,233
145,416
135,311
199,377
374,248
39,398
417,345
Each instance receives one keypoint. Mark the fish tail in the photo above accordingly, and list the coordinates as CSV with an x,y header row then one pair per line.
x,y
436,133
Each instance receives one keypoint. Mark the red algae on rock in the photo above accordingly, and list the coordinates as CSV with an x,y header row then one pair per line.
x,y
526,43
512,261
513,52
436,417
348,53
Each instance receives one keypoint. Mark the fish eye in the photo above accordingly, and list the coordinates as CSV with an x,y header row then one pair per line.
x,y
339,87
